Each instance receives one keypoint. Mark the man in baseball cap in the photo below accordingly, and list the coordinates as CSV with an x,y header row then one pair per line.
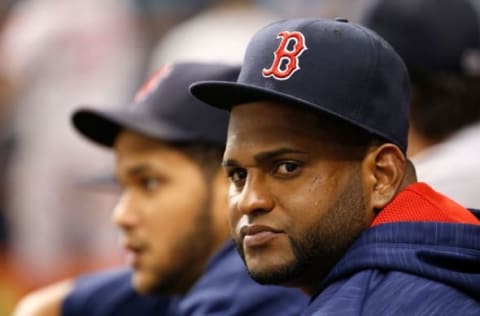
x,y
440,44
322,196
172,212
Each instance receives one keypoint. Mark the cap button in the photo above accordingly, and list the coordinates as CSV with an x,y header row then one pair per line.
x,y
340,19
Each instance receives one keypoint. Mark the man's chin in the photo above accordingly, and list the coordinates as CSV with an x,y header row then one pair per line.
x,y
143,284
274,275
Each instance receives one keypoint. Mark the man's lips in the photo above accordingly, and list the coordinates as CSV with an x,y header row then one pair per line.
x,y
257,235
133,253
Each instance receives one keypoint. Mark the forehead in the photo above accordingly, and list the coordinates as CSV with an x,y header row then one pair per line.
x,y
129,142
270,123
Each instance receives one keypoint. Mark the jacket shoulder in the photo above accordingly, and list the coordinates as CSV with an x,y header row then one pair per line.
x,y
110,293
380,292
227,289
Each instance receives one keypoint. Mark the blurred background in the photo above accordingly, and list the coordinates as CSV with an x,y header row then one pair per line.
x,y
56,188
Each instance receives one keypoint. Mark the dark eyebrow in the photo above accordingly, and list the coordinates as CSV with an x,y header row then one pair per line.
x,y
230,163
268,155
139,169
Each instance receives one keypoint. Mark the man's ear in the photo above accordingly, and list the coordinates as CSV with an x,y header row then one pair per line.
x,y
384,167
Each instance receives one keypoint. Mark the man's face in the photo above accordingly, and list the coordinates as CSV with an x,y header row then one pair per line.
x,y
296,199
163,214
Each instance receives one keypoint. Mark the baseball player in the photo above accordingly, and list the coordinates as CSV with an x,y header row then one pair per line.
x,y
322,196
172,212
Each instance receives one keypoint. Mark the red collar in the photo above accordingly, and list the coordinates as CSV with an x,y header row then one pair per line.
x,y
420,203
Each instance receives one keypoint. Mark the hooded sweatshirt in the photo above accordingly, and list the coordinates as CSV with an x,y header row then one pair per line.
x,y
225,289
421,256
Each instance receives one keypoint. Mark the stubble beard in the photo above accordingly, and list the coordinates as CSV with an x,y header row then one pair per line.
x,y
318,249
192,253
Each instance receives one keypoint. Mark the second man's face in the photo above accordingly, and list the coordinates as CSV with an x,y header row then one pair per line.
x,y
164,214
296,199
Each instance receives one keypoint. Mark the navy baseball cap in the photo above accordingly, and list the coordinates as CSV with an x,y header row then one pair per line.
x,y
332,66
430,35
163,109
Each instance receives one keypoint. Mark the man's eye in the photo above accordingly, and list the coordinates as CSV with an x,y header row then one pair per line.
x,y
149,183
237,176
287,168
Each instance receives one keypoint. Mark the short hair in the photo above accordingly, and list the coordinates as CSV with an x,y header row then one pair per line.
x,y
206,155
443,103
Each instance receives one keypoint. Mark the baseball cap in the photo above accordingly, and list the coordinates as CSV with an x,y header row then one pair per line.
x,y
430,35
163,109
333,66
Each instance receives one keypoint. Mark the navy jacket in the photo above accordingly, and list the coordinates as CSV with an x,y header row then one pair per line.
x,y
225,289
420,267
110,292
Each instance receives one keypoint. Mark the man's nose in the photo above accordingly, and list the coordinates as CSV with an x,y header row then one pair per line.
x,y
255,196
125,215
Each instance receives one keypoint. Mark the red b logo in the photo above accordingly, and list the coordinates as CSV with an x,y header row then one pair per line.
x,y
289,57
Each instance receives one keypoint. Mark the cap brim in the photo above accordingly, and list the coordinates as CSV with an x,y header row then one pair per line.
x,y
103,126
225,95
